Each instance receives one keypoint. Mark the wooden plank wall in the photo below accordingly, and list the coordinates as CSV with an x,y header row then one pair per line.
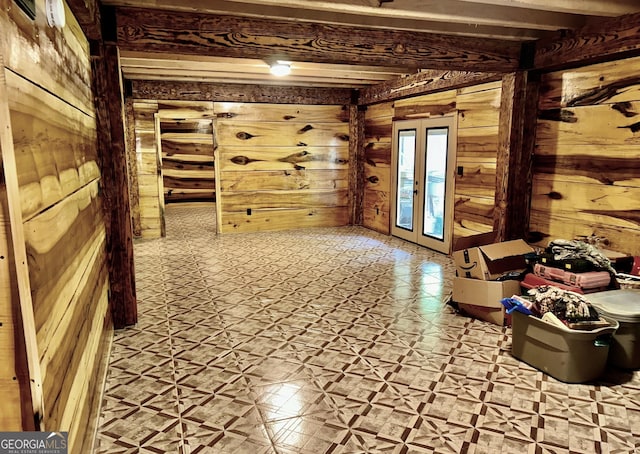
x,y
586,165
13,376
187,141
378,129
53,123
282,166
478,109
148,167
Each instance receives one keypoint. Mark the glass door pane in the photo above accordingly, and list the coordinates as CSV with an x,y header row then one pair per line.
x,y
434,184
405,178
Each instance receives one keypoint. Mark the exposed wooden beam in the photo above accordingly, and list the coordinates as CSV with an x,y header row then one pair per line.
x,y
605,40
198,91
587,7
229,36
417,19
356,164
515,149
113,165
87,14
421,83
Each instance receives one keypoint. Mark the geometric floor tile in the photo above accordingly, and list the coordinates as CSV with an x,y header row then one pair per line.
x,y
331,340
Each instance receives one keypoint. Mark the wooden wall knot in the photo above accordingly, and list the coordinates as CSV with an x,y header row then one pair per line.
x,y
625,108
343,137
225,115
289,117
242,135
373,179
635,127
564,115
305,129
243,160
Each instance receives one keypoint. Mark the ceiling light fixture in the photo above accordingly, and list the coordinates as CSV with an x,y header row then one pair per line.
x,y
280,69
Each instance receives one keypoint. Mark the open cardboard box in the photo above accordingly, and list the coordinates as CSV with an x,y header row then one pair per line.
x,y
481,299
490,261
479,262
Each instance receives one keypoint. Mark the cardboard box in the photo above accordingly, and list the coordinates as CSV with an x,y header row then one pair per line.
x,y
481,299
490,261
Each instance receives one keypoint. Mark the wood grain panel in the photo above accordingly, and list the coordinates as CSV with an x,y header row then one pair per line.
x,y
478,143
376,211
241,201
620,166
546,226
52,58
605,83
185,109
377,178
589,125
182,126
423,82
604,39
234,158
435,104
238,133
54,144
192,33
479,108
285,219
478,178
476,209
589,203
286,180
13,372
383,109
294,113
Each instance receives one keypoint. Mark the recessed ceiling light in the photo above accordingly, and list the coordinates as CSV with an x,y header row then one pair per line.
x,y
280,69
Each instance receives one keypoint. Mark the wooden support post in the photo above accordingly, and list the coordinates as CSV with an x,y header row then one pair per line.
x,y
356,164
8,165
134,190
516,140
107,87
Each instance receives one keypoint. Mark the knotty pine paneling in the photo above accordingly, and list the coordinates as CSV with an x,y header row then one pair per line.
x,y
476,157
52,121
55,59
188,167
13,365
149,207
378,129
54,146
285,164
478,110
586,178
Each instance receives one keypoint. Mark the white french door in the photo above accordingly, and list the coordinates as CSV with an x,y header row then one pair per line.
x,y
423,159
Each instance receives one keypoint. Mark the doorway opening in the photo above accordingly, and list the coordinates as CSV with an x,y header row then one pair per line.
x,y
423,158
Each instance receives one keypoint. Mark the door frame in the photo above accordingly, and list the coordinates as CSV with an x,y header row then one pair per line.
x,y
416,235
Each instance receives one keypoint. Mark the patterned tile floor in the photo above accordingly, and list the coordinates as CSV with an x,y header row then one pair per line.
x,y
331,341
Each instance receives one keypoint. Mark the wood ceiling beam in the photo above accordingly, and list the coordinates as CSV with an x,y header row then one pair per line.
x,y
607,40
229,36
229,92
87,13
452,16
422,83
609,8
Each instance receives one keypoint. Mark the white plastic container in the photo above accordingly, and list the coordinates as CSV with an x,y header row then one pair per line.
x,y
624,306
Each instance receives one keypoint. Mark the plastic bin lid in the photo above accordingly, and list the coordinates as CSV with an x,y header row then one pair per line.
x,y
623,305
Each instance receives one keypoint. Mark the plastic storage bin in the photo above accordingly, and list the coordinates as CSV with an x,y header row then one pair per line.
x,y
623,306
572,356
